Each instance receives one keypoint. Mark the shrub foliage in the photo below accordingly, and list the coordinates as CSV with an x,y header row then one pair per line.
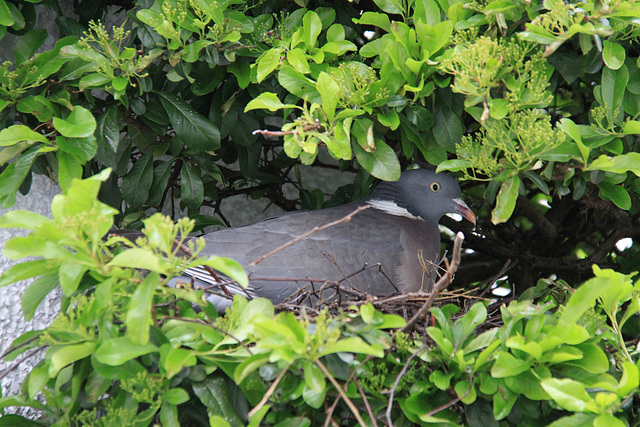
x,y
535,104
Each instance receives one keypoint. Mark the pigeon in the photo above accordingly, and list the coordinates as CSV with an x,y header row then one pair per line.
x,y
388,243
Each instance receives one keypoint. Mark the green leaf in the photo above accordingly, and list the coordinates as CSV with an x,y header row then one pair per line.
x,y
389,6
69,168
23,219
507,365
630,379
506,200
192,189
194,129
267,63
82,149
330,93
266,100
175,360
139,310
447,128
136,184
25,270
614,84
79,124
227,266
376,19
93,80
37,105
613,54
298,61
569,394
140,258
312,27
381,163
18,133
116,351
109,125
13,175
571,129
618,164
616,194
65,355
69,275
631,127
176,396
6,19
214,393
35,293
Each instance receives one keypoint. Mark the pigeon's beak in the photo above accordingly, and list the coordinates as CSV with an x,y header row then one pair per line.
x,y
463,209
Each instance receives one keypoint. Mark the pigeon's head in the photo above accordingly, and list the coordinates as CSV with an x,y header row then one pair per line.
x,y
421,193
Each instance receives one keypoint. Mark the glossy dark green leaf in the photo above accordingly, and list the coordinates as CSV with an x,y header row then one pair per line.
x,y
108,129
194,129
447,128
192,190
136,184
381,163
82,149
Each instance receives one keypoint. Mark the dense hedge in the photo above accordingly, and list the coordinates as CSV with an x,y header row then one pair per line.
x,y
535,104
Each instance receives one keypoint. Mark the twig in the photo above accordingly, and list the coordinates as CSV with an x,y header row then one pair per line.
x,y
313,126
366,402
397,381
269,392
344,396
444,281
305,235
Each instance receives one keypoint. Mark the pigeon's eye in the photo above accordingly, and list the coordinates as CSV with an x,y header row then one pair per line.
x,y
435,187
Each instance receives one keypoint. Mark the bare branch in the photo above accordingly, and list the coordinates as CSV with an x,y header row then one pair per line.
x,y
444,281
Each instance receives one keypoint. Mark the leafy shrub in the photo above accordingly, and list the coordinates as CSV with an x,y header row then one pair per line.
x,y
535,103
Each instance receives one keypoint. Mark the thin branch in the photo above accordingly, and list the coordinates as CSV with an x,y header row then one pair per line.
x,y
366,402
397,381
444,281
313,126
344,396
269,392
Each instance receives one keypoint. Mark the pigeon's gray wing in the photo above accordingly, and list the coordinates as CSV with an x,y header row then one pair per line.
x,y
347,253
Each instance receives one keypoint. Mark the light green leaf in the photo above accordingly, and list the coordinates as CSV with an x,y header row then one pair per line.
x,y
613,54
571,129
139,310
35,293
267,62
618,164
376,19
229,267
330,93
18,133
79,124
65,355
140,258
298,61
630,379
25,270
507,365
632,127
506,200
312,26
266,100
23,219
569,394
116,351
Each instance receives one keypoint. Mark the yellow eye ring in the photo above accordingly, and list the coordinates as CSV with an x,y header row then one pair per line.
x,y
435,187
